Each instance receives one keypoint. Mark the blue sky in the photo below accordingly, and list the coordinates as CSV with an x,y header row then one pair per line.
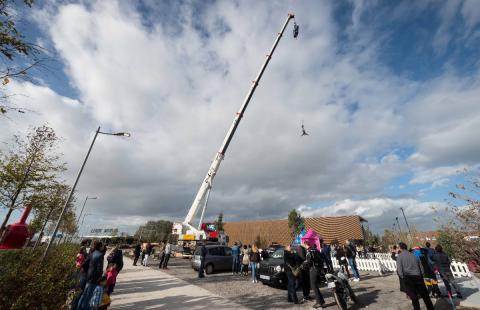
x,y
387,90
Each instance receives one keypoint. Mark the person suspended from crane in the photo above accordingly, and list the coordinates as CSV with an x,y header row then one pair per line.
x,y
304,133
296,28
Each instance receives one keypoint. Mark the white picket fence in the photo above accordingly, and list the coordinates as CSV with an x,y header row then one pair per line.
x,y
382,265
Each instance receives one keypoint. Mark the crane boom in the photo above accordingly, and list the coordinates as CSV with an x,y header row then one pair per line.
x,y
212,171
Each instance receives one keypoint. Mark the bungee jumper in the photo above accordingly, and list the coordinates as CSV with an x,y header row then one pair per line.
x,y
304,133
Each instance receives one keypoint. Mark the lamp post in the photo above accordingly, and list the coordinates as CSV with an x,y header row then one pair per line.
x,y
80,216
408,227
406,222
122,134
398,225
84,216
83,207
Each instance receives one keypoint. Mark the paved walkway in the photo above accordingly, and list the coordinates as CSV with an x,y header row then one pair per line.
x,y
471,290
145,288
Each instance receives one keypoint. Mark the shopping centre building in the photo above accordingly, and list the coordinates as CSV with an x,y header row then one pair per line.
x,y
339,228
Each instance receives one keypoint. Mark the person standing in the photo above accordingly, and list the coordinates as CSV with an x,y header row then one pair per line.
x,y
236,258
341,256
430,251
95,271
314,264
136,254
442,262
112,274
203,254
116,257
162,255
245,260
168,251
394,254
144,249
240,263
429,276
148,252
351,256
408,268
327,253
290,263
305,273
254,261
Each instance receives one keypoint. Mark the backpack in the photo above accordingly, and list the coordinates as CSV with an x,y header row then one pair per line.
x,y
316,258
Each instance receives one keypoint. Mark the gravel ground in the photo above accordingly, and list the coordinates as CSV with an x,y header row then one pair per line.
x,y
373,291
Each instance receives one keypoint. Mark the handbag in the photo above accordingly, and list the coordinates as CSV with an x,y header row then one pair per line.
x,y
296,271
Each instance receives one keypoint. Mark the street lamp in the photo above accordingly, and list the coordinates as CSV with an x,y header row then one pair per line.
x,y
78,219
123,134
83,207
84,216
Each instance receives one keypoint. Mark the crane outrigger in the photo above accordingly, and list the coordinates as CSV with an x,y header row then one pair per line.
x,y
201,199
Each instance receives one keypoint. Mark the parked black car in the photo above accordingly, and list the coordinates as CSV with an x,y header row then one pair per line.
x,y
271,269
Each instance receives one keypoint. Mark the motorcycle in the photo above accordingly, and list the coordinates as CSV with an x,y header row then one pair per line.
x,y
341,289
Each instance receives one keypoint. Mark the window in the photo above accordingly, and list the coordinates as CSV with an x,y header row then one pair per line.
x,y
216,251
228,251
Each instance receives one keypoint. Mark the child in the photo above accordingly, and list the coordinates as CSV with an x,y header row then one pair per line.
x,y
111,277
100,299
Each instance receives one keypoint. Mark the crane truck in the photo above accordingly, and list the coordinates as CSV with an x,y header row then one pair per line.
x,y
207,231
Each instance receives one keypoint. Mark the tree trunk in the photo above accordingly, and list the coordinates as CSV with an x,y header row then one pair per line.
x,y
40,235
4,224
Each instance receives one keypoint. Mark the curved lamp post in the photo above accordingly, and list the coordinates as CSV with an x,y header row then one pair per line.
x,y
84,216
122,134
79,217
83,207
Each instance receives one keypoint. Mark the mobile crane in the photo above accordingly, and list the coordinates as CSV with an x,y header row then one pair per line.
x,y
201,199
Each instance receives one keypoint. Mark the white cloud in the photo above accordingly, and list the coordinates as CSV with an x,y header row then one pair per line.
x,y
174,79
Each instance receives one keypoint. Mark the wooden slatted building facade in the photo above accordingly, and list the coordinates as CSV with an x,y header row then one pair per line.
x,y
340,228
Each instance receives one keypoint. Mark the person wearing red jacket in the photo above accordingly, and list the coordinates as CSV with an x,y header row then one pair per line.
x,y
112,273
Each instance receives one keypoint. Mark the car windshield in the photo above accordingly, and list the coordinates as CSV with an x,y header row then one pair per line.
x,y
278,253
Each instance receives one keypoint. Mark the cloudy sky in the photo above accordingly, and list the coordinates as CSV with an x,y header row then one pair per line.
x,y
389,92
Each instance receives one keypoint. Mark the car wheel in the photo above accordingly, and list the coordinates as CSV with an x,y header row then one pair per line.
x,y
209,269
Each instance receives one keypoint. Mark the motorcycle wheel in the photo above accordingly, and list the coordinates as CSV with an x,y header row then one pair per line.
x,y
353,297
341,303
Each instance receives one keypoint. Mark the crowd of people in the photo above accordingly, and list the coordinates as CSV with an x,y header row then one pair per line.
x,y
303,264
144,253
306,265
245,259
419,270
94,284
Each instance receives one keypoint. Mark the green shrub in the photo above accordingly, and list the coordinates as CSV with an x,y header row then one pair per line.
x,y
27,283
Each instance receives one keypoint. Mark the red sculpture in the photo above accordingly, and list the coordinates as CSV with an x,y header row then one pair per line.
x,y
16,234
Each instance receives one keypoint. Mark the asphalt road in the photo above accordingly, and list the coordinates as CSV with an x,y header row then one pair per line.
x,y
373,291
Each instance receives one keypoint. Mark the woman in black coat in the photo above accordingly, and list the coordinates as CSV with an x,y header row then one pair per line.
x,y
290,261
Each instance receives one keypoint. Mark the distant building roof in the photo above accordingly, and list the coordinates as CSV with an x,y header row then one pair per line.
x,y
330,228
